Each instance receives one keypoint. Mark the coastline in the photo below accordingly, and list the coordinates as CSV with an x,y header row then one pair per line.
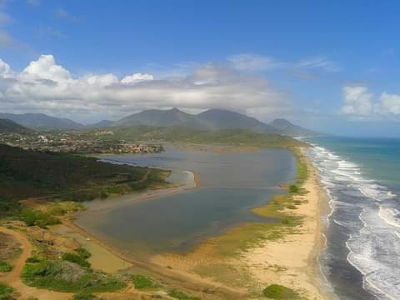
x,y
291,261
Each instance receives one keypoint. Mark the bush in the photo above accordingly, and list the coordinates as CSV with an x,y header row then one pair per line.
x,y
6,292
142,282
76,259
39,218
64,276
276,291
5,267
82,252
84,296
32,260
180,295
294,189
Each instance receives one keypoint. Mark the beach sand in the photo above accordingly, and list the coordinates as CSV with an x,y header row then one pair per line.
x,y
293,260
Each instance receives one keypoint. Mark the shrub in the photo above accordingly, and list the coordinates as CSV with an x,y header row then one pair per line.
x,y
180,295
33,259
6,292
76,259
82,252
294,189
276,291
39,218
142,282
84,296
64,276
5,267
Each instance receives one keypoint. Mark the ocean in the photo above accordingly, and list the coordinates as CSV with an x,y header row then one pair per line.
x,y
362,179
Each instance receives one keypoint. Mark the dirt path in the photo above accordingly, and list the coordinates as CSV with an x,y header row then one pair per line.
x,y
13,278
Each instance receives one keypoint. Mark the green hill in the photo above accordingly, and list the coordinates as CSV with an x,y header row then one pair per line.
x,y
8,126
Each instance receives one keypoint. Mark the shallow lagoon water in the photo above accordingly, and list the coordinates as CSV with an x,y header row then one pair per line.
x,y
231,184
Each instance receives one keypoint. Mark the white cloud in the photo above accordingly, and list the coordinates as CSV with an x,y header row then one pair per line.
x,y
357,101
137,77
45,68
390,104
255,63
5,70
318,63
360,103
48,87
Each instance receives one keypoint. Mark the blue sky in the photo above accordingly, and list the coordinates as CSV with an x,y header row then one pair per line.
x,y
329,65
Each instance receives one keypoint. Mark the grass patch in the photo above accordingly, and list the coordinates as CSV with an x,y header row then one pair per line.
x,y
82,252
84,296
65,276
5,267
33,217
6,292
77,259
276,291
142,282
181,295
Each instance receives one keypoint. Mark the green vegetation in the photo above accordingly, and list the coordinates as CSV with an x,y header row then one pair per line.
x,y
180,295
234,137
76,258
6,292
293,189
66,276
276,291
84,296
62,208
142,282
29,174
5,267
33,217
82,252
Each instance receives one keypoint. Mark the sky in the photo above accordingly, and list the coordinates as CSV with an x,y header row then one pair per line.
x,y
332,66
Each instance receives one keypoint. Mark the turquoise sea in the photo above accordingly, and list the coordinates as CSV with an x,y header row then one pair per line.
x,y
362,179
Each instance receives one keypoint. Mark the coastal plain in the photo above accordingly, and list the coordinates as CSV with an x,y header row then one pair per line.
x,y
275,240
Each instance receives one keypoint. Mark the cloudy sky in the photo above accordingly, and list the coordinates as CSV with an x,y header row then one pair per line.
x,y
326,65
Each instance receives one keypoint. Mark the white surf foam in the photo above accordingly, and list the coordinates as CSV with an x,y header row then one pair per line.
x,y
375,249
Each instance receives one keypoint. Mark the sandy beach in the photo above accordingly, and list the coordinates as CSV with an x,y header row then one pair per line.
x,y
293,260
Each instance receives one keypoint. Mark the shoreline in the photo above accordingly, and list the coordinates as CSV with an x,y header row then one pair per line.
x,y
293,261
308,274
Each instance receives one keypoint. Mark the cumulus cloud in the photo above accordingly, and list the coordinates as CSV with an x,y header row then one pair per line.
x,y
359,102
46,86
46,68
137,77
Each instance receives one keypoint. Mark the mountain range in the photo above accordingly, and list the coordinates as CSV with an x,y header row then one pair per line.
x,y
211,120
41,121
8,126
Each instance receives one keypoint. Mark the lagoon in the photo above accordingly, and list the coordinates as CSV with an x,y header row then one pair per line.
x,y
232,183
